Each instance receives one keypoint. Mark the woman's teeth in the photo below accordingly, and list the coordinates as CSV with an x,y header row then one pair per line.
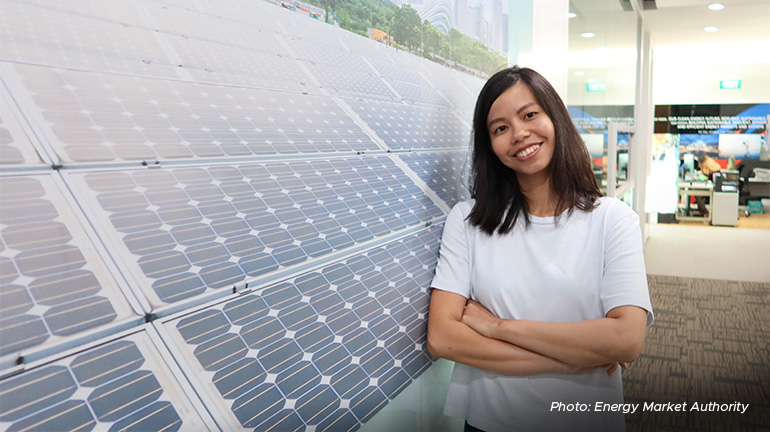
x,y
527,151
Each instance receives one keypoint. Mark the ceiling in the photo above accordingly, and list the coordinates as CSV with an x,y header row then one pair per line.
x,y
682,22
686,58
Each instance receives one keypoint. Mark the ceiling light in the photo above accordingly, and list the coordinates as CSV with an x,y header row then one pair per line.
x,y
601,49
711,29
591,80
571,15
588,34
579,73
716,6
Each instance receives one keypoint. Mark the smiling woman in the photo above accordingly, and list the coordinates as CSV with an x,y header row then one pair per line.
x,y
543,311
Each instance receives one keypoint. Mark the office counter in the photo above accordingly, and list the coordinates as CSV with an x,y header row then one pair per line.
x,y
687,211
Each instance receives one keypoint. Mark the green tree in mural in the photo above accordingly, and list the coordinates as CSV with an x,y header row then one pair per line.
x,y
472,53
405,26
433,41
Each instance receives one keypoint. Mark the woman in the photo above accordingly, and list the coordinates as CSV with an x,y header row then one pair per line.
x,y
540,290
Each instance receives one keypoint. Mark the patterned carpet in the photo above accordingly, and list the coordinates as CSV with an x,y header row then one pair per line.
x,y
708,345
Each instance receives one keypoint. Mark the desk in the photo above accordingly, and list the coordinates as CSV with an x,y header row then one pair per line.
x,y
686,189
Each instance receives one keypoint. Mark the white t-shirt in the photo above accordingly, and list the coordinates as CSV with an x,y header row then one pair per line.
x,y
580,269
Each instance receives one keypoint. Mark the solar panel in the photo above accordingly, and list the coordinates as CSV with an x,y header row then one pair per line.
x,y
15,147
50,27
121,385
121,118
53,284
403,126
350,81
185,231
329,347
446,173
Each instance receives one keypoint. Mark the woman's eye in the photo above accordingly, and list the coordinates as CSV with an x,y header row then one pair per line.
x,y
501,129
529,115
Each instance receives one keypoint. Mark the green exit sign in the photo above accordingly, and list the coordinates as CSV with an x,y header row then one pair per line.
x,y
730,84
595,87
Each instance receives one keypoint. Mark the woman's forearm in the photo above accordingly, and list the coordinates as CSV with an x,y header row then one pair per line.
x,y
616,338
453,340
458,342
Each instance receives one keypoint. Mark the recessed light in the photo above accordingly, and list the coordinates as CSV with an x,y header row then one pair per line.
x,y
591,80
579,73
716,6
711,29
588,34
571,15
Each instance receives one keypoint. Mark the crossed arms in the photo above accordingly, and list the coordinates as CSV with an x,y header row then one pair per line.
x,y
464,331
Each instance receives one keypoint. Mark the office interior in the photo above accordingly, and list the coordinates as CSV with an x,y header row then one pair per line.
x,y
225,216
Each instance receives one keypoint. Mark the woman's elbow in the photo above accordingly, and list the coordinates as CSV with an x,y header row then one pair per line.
x,y
434,345
631,349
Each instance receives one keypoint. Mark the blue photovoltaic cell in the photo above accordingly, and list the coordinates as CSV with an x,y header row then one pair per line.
x,y
409,82
322,349
194,229
111,385
80,33
15,147
134,118
47,286
413,127
446,173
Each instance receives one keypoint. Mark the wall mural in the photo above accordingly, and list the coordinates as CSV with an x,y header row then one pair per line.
x,y
224,215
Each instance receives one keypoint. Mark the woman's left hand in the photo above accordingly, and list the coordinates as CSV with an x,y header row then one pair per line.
x,y
479,318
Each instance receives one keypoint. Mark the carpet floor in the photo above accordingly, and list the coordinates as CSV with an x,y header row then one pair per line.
x,y
709,346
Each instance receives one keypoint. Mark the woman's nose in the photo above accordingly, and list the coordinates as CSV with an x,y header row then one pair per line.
x,y
519,132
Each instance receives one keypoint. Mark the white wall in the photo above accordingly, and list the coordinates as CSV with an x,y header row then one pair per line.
x,y
691,74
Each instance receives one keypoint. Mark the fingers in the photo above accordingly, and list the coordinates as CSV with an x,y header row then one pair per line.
x,y
611,368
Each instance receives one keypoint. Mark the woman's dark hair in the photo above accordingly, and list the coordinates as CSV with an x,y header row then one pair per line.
x,y
494,186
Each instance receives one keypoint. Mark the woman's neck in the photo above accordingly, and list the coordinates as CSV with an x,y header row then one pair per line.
x,y
540,198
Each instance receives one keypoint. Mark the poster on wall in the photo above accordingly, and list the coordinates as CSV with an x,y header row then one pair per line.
x,y
719,131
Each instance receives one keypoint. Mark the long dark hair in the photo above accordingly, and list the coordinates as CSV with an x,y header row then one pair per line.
x,y
494,186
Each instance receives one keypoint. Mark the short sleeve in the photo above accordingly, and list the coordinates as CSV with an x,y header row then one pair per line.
x,y
624,282
453,268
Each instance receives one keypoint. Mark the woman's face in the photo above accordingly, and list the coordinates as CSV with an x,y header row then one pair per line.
x,y
522,134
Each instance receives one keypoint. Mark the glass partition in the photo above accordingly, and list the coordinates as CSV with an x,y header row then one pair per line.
x,y
601,84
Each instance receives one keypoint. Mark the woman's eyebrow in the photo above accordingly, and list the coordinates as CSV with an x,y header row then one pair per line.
x,y
525,106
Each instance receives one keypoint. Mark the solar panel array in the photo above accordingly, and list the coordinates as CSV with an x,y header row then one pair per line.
x,y
215,216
